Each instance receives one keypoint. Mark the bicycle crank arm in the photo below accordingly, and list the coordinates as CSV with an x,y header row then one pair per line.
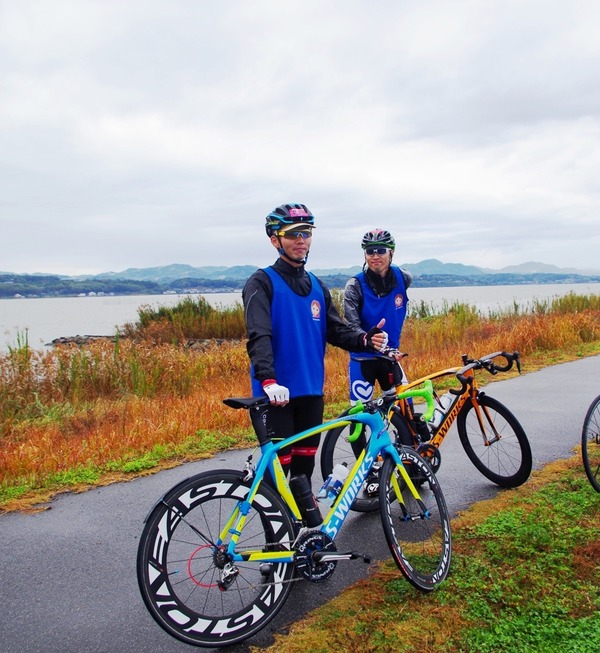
x,y
324,556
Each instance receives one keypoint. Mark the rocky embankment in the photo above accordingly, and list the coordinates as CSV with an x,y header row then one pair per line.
x,y
193,343
78,340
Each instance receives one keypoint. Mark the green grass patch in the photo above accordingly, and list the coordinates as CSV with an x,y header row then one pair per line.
x,y
525,578
53,484
201,445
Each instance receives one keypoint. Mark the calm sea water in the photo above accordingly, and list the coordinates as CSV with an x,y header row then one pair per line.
x,y
44,319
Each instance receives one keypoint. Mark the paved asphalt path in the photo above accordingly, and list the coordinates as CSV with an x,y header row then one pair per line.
x,y
67,575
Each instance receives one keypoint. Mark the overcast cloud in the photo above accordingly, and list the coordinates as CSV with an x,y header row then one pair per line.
x,y
145,133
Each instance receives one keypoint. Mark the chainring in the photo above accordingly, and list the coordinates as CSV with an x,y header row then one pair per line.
x,y
307,567
431,454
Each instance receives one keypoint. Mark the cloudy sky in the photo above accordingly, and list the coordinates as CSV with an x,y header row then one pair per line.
x,y
145,133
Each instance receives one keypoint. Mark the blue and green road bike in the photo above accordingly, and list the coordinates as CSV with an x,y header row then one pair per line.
x,y
220,551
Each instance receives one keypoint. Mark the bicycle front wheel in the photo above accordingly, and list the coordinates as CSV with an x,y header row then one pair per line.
x,y
417,530
590,444
495,442
188,583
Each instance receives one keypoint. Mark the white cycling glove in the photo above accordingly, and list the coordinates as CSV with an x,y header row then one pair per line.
x,y
278,394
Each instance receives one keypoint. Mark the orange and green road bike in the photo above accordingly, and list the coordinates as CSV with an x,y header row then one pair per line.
x,y
490,434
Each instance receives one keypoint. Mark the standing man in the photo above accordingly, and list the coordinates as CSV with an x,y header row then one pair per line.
x,y
289,319
379,291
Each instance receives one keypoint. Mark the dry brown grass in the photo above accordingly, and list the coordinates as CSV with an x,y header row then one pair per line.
x,y
77,407
106,422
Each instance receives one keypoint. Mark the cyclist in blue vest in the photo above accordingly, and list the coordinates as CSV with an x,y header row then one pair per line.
x,y
289,318
379,291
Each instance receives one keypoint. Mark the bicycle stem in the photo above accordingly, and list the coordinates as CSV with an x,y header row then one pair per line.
x,y
426,392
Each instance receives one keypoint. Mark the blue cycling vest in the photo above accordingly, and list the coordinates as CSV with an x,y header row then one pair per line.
x,y
392,307
298,338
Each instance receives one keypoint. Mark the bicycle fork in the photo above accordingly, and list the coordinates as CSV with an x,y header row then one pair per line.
x,y
482,412
407,515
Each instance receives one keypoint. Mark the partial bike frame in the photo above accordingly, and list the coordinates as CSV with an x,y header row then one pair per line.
x,y
590,444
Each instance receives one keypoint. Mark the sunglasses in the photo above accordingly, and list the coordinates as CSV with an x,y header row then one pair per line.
x,y
370,251
294,235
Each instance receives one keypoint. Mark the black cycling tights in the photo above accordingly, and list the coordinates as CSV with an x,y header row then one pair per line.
x,y
283,421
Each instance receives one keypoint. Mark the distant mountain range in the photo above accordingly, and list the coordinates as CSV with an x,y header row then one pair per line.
x,y
181,278
427,267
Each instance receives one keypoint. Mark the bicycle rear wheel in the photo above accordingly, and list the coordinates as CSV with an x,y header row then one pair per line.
x,y
496,445
590,444
184,576
417,533
338,449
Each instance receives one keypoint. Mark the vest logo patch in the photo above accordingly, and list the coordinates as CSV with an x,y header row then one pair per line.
x,y
315,309
399,301
362,390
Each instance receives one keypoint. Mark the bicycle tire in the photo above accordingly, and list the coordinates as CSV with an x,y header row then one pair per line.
x,y
420,545
507,462
178,571
590,444
337,449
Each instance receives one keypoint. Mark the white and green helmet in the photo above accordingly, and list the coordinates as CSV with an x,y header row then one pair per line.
x,y
378,237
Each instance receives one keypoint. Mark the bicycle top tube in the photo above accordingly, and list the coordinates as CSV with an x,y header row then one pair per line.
x,y
373,419
367,414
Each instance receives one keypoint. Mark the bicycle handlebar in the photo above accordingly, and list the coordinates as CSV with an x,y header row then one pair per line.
x,y
486,363
255,404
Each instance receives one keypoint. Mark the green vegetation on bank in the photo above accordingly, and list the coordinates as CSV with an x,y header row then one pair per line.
x,y
54,286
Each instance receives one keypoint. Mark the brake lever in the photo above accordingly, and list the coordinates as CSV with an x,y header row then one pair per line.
x,y
517,360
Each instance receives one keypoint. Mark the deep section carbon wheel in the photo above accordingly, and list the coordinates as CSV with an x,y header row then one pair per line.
x,y
188,582
590,444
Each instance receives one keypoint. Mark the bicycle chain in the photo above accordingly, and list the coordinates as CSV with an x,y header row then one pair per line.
x,y
281,582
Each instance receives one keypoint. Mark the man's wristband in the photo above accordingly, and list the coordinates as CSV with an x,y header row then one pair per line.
x,y
267,382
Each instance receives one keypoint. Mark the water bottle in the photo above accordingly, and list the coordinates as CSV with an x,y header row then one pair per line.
x,y
332,486
302,491
444,402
